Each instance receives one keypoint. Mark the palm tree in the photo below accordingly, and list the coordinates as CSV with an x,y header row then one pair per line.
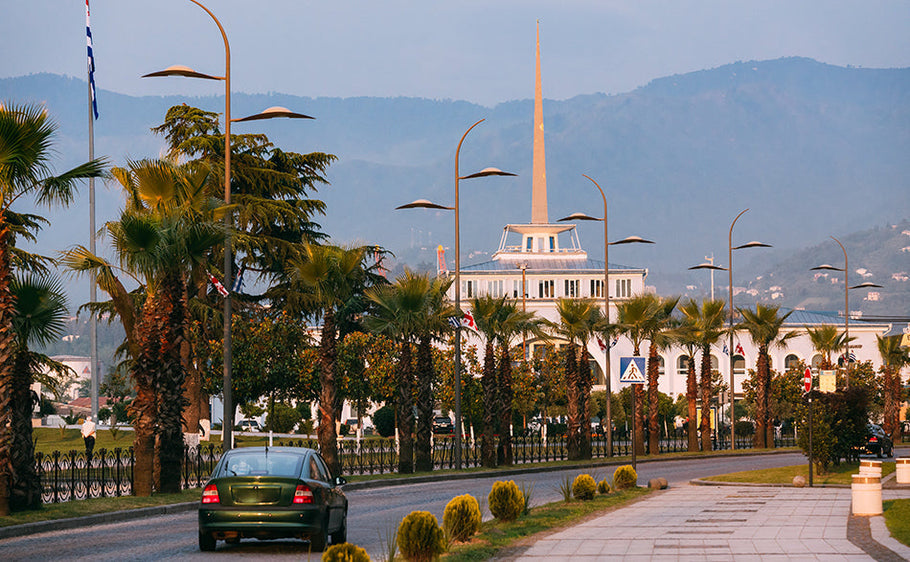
x,y
764,327
894,358
26,134
40,319
433,325
330,276
577,321
487,315
165,232
826,340
660,338
707,326
686,336
512,323
635,317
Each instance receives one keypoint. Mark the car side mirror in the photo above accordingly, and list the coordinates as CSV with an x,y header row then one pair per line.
x,y
340,481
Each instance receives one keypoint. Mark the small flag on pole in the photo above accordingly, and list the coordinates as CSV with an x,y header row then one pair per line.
x,y
238,281
218,286
467,321
726,350
739,349
91,61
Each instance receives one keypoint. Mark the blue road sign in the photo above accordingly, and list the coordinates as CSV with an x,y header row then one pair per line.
x,y
632,370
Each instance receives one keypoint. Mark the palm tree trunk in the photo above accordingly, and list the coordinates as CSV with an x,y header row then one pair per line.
x,y
7,351
691,399
653,427
761,414
171,310
488,382
325,433
423,455
639,412
146,371
505,404
892,413
405,411
573,429
25,492
584,403
706,391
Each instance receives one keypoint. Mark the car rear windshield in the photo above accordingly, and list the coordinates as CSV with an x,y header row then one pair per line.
x,y
262,464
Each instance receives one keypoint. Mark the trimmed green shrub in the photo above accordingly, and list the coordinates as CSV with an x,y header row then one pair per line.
x,y
583,487
506,501
461,518
384,420
603,487
624,477
345,552
420,538
282,418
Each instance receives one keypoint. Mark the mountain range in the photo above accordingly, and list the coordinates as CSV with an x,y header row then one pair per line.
x,y
812,150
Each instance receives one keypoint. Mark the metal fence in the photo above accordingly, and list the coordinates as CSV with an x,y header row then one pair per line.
x,y
109,473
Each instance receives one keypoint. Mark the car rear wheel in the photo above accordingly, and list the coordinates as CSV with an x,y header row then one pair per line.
x,y
341,535
206,542
319,539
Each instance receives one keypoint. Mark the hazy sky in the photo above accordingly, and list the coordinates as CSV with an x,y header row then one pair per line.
x,y
476,50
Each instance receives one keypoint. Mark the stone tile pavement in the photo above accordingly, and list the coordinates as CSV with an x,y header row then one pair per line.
x,y
727,523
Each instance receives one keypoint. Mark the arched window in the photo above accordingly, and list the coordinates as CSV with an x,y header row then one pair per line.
x,y
817,360
739,365
661,366
791,361
682,366
714,363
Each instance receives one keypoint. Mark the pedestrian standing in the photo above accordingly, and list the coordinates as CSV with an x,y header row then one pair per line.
x,y
88,435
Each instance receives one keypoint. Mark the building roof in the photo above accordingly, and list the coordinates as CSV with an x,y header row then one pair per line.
x,y
554,265
819,317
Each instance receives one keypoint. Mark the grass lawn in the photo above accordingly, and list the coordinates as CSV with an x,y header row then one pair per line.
x,y
897,518
842,474
80,508
496,535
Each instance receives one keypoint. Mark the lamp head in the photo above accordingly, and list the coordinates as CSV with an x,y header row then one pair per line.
x,y
579,217
272,113
631,240
487,172
424,204
180,70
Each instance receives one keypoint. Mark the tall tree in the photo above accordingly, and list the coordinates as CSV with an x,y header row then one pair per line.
x,y
686,335
577,321
487,312
329,278
40,318
513,323
764,326
26,135
706,323
660,338
894,358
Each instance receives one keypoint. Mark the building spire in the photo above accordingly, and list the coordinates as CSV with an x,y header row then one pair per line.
x,y
539,180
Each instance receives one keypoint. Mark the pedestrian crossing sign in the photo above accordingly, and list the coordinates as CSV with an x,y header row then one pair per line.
x,y
632,370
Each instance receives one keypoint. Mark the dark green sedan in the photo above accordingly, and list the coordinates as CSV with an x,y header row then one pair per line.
x,y
271,493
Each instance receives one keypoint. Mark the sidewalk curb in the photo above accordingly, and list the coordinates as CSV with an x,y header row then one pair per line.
x,y
110,517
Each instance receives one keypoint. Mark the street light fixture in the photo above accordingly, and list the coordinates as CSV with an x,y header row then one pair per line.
x,y
425,204
847,287
607,244
711,266
186,72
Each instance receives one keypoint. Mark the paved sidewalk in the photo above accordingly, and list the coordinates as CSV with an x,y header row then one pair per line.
x,y
726,523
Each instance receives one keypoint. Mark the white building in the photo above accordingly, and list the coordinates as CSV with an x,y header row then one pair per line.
x,y
541,262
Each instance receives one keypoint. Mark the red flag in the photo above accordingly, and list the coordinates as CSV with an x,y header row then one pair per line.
x,y
218,286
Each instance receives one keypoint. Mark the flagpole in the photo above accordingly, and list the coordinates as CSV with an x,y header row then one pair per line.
x,y
93,290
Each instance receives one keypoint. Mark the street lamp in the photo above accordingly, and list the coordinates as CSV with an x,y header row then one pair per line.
x,y
730,248
425,204
847,287
607,244
184,71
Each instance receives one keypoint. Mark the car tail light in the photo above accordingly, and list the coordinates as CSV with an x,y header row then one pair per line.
x,y
873,439
210,494
303,494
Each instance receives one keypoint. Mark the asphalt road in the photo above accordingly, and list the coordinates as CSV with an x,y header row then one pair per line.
x,y
373,512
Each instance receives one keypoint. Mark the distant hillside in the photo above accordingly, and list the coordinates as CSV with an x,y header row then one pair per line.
x,y
813,150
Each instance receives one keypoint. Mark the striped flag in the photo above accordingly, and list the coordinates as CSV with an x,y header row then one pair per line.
x,y
238,281
91,60
218,286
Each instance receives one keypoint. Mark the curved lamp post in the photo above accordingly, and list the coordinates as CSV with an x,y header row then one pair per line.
x,y
186,72
607,244
425,204
847,287
730,248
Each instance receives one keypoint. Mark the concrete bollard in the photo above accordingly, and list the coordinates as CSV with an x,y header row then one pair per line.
x,y
870,468
867,495
657,483
903,470
799,481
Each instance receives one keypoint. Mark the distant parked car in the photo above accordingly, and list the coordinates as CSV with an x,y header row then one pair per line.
x,y
249,425
273,492
877,441
443,425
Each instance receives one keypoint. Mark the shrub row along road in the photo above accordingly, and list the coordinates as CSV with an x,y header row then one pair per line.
x,y
373,512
